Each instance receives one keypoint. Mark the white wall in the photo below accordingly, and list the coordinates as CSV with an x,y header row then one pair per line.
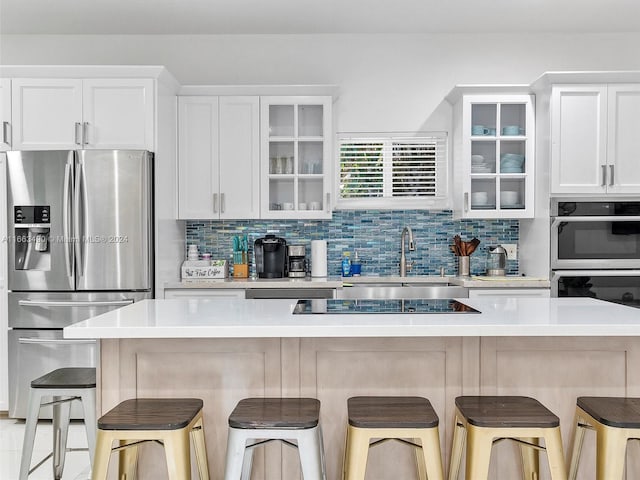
x,y
387,82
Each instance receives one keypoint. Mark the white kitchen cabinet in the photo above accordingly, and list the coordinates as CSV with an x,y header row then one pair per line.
x,y
295,157
74,113
510,292
594,139
5,114
203,293
219,157
494,156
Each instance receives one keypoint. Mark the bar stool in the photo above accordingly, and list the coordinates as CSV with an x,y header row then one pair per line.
x,y
64,386
256,421
392,418
615,421
486,420
170,421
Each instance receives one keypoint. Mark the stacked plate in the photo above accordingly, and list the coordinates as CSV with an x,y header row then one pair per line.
x,y
512,163
478,165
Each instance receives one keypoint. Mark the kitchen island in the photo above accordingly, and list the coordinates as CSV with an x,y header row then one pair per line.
x,y
223,350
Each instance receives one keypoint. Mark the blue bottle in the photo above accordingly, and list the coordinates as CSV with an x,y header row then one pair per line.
x,y
346,264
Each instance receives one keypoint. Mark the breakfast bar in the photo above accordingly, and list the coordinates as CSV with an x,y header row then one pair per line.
x,y
223,350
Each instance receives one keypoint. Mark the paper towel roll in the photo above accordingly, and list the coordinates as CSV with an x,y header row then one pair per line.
x,y
318,258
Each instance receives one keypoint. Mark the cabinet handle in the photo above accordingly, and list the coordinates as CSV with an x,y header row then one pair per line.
x,y
611,175
466,202
78,140
5,136
215,203
85,133
328,205
604,175
222,203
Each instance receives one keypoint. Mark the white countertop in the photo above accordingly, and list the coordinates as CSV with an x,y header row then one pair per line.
x,y
338,282
234,318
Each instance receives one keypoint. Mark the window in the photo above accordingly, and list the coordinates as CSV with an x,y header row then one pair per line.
x,y
392,170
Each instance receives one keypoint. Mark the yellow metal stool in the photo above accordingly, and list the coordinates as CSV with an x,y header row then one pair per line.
x,y
485,420
615,421
170,421
411,420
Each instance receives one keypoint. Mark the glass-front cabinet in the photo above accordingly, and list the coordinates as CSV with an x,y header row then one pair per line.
x,y
494,161
296,157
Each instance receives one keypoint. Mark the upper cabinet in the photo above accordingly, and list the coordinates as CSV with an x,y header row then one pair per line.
x,y
219,157
5,114
594,139
494,140
295,157
90,113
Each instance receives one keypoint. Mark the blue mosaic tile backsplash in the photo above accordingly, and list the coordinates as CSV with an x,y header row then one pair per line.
x,y
375,234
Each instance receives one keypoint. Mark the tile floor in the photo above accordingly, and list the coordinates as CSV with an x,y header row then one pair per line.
x,y
11,435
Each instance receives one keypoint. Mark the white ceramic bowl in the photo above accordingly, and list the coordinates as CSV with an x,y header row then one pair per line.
x,y
475,159
508,197
479,198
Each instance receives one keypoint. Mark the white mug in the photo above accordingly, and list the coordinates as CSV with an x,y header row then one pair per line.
x,y
315,205
302,206
287,206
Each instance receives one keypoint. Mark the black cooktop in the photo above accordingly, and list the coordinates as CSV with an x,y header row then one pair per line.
x,y
382,306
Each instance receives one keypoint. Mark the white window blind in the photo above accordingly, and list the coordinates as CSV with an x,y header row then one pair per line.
x,y
392,167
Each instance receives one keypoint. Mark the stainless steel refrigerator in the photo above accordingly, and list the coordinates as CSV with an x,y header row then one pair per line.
x,y
80,243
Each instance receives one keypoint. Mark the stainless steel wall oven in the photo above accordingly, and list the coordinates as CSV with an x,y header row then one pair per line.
x,y
595,250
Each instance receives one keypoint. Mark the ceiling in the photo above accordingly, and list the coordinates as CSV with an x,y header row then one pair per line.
x,y
317,16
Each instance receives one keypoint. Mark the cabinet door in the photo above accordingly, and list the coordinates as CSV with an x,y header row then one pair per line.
x,y
198,161
295,157
623,152
5,114
578,139
201,293
497,164
118,113
509,292
46,114
239,123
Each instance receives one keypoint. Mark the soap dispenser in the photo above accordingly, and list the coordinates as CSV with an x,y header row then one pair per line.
x,y
356,266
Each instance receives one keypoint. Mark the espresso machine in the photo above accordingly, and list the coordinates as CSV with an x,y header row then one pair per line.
x,y
297,261
271,256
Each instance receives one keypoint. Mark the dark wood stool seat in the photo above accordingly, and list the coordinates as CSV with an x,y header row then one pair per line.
x,y
480,421
506,412
281,413
151,414
619,412
71,377
176,423
374,420
615,421
391,412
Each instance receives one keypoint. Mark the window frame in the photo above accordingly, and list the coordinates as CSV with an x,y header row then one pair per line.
x,y
440,201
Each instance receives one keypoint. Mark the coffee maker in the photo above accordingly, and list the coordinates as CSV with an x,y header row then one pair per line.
x,y
297,261
271,256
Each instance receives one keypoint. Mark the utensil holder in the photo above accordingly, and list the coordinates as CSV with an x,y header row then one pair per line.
x,y
463,266
241,270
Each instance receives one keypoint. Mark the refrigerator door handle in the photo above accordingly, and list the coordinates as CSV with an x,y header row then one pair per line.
x,y
54,341
85,133
79,220
66,219
64,304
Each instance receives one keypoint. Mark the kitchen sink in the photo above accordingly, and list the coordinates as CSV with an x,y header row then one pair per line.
x,y
403,290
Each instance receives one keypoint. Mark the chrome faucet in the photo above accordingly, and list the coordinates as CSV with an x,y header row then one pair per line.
x,y
412,247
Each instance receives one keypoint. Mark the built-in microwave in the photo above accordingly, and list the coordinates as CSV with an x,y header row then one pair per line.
x,y
595,235
619,286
